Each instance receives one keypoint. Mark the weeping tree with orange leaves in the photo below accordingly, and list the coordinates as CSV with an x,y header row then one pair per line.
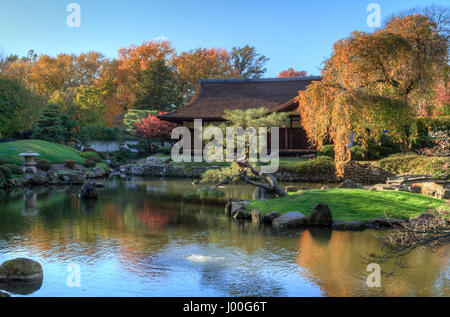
x,y
374,81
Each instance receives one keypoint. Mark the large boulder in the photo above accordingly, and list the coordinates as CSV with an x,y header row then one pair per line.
x,y
291,219
38,179
20,270
74,179
88,191
436,190
269,217
320,216
348,225
238,209
97,172
348,183
263,194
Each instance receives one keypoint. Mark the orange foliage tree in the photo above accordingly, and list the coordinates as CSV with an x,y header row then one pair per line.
x,y
132,61
291,73
373,82
199,64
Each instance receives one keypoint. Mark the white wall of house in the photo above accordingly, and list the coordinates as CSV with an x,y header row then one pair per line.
x,y
110,146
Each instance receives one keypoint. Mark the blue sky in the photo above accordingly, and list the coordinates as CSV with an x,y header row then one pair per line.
x,y
292,33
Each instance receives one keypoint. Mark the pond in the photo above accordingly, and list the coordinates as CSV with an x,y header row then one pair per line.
x,y
168,238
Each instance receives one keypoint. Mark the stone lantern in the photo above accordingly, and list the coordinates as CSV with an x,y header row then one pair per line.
x,y
29,167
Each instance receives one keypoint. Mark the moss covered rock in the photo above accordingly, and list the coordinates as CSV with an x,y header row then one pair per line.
x,y
20,269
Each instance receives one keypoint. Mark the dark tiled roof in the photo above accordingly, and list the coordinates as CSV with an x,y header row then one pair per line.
x,y
213,96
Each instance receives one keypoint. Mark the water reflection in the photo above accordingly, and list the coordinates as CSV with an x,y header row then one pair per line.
x,y
150,238
334,263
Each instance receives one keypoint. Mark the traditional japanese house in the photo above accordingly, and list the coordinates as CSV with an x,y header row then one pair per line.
x,y
213,96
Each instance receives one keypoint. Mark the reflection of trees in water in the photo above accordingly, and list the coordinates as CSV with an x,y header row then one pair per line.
x,y
140,228
337,267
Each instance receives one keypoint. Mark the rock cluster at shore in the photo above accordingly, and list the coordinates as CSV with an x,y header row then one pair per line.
x,y
320,216
57,178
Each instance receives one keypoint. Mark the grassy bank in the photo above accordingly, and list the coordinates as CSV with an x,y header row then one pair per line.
x,y
52,152
352,204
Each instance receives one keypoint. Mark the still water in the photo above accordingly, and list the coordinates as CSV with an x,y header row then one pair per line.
x,y
168,238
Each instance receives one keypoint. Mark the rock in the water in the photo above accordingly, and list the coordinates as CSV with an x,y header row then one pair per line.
x,y
97,172
262,194
377,223
20,270
88,191
228,207
350,225
291,189
436,190
256,216
238,209
291,219
38,179
320,216
3,294
269,217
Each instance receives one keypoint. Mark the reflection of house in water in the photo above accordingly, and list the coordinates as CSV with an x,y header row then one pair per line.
x,y
335,264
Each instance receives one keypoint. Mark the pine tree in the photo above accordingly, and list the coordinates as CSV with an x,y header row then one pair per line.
x,y
53,125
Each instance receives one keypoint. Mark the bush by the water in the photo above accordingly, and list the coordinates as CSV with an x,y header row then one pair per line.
x,y
327,150
358,153
375,150
4,160
15,169
319,166
415,164
89,163
70,164
5,171
89,155
43,164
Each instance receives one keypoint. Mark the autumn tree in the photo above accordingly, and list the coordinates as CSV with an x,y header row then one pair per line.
x,y
133,61
133,117
373,81
157,88
290,72
199,64
153,128
247,63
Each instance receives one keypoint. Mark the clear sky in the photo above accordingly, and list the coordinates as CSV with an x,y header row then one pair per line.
x,y
292,33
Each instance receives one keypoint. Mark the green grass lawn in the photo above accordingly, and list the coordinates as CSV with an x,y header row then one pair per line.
x,y
352,204
52,152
